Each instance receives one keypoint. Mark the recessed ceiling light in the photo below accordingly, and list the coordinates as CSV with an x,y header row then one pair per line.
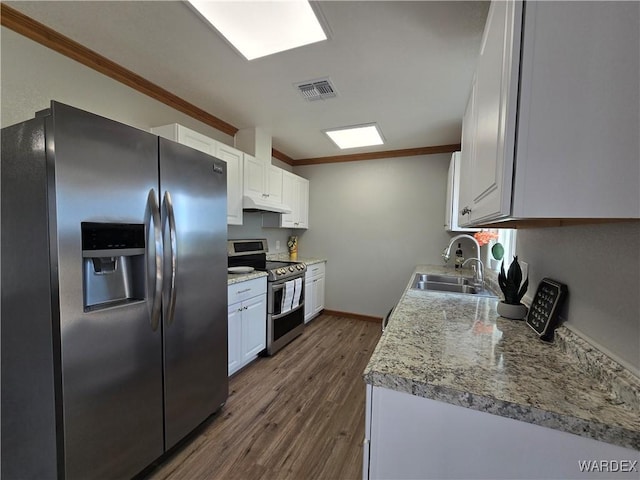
x,y
356,136
260,28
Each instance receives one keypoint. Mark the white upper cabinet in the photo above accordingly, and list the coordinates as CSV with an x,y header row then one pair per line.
x,y
232,156
554,114
463,207
493,110
262,180
188,137
295,194
578,153
453,191
274,185
235,169
263,183
254,176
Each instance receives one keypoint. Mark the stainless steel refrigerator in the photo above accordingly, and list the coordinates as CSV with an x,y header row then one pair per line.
x,y
114,295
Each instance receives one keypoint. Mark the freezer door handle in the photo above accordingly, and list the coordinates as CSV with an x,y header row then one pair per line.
x,y
154,269
170,292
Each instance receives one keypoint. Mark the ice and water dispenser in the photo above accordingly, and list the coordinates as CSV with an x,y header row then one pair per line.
x,y
113,257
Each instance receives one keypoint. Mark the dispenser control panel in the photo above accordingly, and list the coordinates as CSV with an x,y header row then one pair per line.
x,y
113,264
109,236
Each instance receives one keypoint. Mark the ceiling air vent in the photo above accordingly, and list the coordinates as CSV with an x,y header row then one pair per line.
x,y
316,89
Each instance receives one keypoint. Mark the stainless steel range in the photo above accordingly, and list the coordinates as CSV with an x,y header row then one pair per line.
x,y
285,289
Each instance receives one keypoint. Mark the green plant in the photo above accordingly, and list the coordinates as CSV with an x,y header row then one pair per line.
x,y
497,251
510,283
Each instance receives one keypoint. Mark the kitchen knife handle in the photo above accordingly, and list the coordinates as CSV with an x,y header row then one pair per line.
x,y
154,271
168,216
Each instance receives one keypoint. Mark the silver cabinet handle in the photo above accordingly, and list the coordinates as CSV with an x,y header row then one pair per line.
x,y
170,292
154,270
243,291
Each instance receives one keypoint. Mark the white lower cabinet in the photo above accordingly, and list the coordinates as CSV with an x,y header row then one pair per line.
x,y
409,437
314,291
247,319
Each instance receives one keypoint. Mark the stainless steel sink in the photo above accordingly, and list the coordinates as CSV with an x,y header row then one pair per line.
x,y
424,277
447,283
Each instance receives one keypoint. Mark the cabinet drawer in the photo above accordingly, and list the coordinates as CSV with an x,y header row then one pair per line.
x,y
243,290
314,270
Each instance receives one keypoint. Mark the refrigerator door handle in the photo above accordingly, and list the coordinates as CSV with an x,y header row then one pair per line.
x,y
168,216
154,270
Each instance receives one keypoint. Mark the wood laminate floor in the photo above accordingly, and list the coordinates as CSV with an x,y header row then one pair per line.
x,y
297,415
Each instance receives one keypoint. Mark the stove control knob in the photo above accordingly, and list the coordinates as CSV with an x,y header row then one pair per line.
x,y
280,271
291,269
300,267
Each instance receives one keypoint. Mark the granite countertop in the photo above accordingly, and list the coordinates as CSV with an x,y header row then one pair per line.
x,y
456,349
243,277
285,257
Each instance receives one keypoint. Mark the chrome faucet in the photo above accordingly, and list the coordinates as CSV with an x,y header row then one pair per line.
x,y
446,253
478,274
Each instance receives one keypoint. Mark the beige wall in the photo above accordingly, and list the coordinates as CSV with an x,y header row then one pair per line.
x,y
374,221
33,75
601,266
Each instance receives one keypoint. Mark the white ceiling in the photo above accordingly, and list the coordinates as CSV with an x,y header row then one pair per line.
x,y
405,65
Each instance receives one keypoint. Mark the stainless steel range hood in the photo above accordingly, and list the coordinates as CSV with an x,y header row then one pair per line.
x,y
253,204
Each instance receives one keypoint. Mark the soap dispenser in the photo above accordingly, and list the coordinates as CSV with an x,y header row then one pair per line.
x,y
459,257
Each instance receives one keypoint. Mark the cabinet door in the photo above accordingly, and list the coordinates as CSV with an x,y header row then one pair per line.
x,y
289,198
495,112
303,203
308,299
318,295
454,192
411,437
234,318
579,116
254,327
466,155
448,209
186,136
274,184
295,194
235,160
196,140
254,176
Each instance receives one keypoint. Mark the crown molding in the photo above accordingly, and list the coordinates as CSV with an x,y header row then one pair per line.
x,y
406,152
36,31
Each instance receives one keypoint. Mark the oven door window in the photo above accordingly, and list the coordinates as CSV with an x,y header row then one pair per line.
x,y
286,323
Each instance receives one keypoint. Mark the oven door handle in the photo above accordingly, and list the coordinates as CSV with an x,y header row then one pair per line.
x,y
276,287
288,312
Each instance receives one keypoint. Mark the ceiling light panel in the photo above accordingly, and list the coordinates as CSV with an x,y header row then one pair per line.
x,y
260,28
356,136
